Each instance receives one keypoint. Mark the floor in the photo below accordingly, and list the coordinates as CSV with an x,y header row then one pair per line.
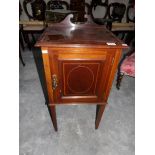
x,y
76,124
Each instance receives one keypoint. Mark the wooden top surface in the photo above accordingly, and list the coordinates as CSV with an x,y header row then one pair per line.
x,y
89,34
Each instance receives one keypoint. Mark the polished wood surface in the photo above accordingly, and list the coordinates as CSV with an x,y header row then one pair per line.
x,y
78,35
80,62
81,73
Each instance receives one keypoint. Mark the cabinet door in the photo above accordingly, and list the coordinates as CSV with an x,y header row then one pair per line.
x,y
79,77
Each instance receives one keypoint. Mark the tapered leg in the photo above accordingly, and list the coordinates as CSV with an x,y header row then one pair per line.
x,y
99,113
52,111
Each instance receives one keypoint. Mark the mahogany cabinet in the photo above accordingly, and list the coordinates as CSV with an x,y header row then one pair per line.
x,y
80,62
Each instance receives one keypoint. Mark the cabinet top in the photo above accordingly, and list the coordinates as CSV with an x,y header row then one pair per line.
x,y
89,34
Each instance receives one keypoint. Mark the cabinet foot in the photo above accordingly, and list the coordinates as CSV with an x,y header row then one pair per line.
x,y
99,113
52,111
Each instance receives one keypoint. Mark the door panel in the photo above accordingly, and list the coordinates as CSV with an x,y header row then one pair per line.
x,y
81,77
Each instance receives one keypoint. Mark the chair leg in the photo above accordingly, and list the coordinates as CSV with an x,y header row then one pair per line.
x,y
129,37
119,79
26,39
21,40
123,36
21,58
34,40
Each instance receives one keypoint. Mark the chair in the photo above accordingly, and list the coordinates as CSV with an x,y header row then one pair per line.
x,y
130,12
102,20
96,3
56,11
126,67
21,44
38,8
29,30
57,4
114,13
38,14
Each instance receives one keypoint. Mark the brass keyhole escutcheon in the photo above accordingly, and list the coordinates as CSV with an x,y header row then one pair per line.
x,y
54,82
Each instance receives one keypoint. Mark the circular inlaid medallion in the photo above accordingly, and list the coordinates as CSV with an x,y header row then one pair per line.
x,y
80,79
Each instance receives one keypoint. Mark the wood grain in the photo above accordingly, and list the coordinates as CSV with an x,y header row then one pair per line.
x,y
83,64
47,74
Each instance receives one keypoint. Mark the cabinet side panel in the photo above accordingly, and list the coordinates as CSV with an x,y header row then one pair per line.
x,y
112,73
47,74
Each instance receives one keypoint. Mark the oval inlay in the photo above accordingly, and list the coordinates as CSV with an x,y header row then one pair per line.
x,y
80,79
